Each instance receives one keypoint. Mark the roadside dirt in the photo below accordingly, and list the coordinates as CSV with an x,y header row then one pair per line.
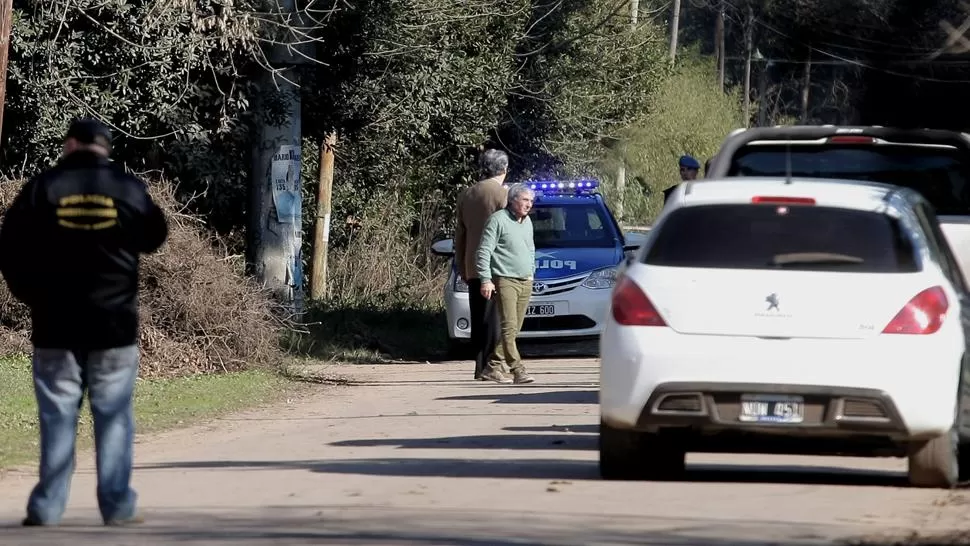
x,y
420,454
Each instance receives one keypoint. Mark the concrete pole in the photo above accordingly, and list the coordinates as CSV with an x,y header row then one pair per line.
x,y
621,166
719,32
276,212
674,30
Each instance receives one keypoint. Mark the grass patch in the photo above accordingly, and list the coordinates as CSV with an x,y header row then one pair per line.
x,y
159,404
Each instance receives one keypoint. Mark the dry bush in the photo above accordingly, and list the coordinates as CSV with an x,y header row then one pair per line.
x,y
387,262
199,313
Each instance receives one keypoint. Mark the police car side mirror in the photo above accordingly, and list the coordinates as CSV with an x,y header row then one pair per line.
x,y
444,247
633,240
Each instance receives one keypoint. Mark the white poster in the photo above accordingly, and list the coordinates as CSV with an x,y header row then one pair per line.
x,y
286,184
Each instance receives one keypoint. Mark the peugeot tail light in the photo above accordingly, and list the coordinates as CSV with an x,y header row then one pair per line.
x,y
631,307
922,315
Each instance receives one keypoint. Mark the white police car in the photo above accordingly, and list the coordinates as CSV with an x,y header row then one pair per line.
x,y
579,246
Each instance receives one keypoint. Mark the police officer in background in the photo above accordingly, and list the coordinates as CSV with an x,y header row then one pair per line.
x,y
69,249
689,168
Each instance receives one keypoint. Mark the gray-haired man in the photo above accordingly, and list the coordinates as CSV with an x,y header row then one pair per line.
x,y
506,263
475,205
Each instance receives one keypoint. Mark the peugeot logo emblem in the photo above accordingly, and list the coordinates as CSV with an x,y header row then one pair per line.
x,y
772,301
538,287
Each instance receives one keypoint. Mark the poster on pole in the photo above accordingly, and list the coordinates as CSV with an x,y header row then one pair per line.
x,y
285,172
296,263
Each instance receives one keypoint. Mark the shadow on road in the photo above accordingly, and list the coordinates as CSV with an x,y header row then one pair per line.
x,y
576,429
586,396
353,525
497,441
558,349
554,469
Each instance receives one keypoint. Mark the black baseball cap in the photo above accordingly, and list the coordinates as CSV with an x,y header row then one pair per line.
x,y
90,131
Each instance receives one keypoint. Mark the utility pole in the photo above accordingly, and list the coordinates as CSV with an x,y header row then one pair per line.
x,y
719,32
674,30
749,46
617,146
6,21
762,95
321,231
276,192
806,85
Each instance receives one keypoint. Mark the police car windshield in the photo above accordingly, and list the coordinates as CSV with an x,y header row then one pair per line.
x,y
941,175
571,226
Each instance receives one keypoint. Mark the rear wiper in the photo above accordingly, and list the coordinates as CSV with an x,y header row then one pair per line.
x,y
816,258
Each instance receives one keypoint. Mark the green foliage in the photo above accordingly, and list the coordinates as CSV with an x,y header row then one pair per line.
x,y
165,74
585,74
411,87
689,116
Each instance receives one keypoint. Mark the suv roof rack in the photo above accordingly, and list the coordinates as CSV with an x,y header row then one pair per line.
x,y
721,162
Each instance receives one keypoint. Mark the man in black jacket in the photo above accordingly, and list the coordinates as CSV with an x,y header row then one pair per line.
x,y
69,249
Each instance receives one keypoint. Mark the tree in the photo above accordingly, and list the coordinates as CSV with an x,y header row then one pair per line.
x,y
583,75
168,76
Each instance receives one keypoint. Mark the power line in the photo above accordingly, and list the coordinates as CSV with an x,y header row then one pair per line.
x,y
851,62
863,64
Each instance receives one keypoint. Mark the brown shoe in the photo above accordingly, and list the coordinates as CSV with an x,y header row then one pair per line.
x,y
521,377
496,376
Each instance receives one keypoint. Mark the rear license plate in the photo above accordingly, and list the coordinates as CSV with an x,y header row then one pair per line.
x,y
770,408
545,310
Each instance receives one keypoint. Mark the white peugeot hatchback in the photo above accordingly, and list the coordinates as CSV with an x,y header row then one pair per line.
x,y
802,316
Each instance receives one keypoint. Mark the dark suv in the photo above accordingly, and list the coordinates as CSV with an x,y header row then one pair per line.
x,y
935,163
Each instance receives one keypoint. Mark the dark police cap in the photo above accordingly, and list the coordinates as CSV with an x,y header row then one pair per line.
x,y
90,131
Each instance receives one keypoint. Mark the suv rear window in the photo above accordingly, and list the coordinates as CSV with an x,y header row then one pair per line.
x,y
798,238
941,175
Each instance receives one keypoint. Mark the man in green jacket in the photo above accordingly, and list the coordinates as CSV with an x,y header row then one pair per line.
x,y
506,263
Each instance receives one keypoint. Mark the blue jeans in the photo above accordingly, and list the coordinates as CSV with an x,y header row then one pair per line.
x,y
60,378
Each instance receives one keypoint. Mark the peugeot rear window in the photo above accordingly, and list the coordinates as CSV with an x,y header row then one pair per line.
x,y
941,175
571,226
802,238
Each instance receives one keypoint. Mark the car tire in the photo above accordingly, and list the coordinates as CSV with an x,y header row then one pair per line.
x,y
936,463
634,455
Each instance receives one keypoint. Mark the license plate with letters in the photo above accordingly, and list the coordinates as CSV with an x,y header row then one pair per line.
x,y
541,310
771,408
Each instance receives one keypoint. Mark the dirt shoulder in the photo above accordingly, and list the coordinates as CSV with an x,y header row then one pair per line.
x,y
420,454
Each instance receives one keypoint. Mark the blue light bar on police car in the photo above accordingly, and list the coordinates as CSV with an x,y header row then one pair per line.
x,y
575,186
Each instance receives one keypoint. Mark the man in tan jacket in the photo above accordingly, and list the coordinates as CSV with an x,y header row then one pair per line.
x,y
475,205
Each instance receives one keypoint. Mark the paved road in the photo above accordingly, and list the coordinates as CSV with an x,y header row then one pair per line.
x,y
421,455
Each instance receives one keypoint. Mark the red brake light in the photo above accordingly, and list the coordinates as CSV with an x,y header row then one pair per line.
x,y
924,314
767,199
631,307
851,140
